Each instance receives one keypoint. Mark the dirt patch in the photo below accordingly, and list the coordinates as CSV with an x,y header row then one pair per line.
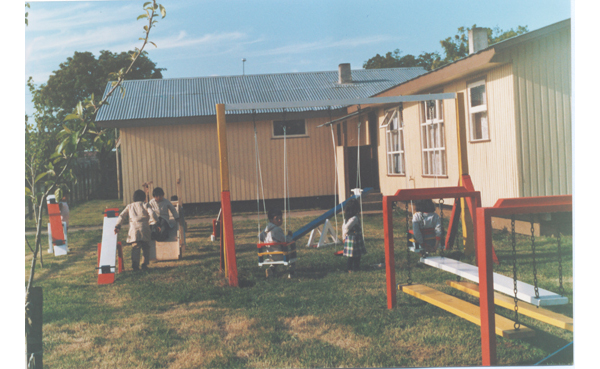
x,y
194,357
237,326
310,327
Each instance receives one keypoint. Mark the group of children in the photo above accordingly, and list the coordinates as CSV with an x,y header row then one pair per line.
x,y
150,221
147,221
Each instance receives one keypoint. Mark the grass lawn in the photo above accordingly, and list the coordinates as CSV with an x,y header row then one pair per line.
x,y
182,315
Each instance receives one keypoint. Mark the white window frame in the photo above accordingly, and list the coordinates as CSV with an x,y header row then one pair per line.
x,y
273,135
479,109
394,141
433,139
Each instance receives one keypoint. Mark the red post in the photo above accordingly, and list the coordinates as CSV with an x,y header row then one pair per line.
x,y
229,239
486,288
390,265
120,254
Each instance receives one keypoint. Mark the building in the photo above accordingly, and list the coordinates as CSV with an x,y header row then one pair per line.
x,y
516,100
168,129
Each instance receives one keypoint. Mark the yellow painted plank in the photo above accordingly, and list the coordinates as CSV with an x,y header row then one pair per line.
x,y
541,314
504,327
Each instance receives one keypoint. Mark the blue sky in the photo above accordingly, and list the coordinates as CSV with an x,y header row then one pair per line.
x,y
203,38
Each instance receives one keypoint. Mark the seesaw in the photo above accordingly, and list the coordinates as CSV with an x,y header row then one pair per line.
x,y
107,249
328,214
57,229
525,291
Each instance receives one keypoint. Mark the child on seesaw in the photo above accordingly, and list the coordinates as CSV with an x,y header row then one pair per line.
x,y
354,245
427,226
139,214
160,221
274,234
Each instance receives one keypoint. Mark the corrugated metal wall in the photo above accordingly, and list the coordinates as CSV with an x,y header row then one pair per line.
x,y
156,153
493,164
542,78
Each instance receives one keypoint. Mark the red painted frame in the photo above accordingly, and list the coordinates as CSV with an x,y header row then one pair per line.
x,y
473,199
503,207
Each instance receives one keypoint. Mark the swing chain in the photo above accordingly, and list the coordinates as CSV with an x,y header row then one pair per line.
x,y
409,279
535,280
561,289
517,325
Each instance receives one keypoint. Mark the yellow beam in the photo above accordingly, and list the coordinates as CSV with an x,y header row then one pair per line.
x,y
532,311
504,327
222,136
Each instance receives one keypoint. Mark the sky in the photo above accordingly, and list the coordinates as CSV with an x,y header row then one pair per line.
x,y
205,38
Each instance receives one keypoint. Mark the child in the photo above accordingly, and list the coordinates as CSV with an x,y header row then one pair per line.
x,y
160,221
427,226
139,214
273,233
354,246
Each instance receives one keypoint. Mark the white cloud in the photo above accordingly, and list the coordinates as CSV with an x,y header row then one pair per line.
x,y
183,40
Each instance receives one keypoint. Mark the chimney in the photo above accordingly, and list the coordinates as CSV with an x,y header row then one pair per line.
x,y
344,73
477,39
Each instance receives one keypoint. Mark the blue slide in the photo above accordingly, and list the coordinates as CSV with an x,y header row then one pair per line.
x,y
320,220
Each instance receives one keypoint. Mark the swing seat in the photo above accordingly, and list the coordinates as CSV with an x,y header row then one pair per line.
x,y
273,253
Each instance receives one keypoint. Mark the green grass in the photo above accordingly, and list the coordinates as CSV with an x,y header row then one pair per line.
x,y
86,214
183,315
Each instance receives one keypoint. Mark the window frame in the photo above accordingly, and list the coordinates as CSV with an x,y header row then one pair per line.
x,y
398,131
274,136
433,140
483,108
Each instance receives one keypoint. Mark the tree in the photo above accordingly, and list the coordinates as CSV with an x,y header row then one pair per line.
x,y
48,174
453,48
79,77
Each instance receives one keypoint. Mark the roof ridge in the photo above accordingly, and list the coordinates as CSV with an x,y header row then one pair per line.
x,y
268,74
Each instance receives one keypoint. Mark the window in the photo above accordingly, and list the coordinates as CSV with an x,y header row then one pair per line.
x,y
296,127
394,134
478,111
433,141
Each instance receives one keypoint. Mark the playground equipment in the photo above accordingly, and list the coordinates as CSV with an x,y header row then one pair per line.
x,y
57,229
503,207
108,249
174,246
228,260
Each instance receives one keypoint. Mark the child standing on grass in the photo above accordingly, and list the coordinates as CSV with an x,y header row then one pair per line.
x,y
139,214
161,208
274,234
354,246
427,226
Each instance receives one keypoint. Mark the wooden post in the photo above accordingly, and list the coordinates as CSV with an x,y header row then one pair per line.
x,y
34,323
117,144
463,169
227,235
486,288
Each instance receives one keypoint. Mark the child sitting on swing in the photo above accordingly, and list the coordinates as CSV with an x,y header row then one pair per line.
x,y
354,245
427,227
274,234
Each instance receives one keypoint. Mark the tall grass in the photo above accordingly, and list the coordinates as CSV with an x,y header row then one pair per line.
x,y
183,315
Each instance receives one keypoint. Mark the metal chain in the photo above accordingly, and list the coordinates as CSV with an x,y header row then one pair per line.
x,y
561,289
409,279
535,281
517,325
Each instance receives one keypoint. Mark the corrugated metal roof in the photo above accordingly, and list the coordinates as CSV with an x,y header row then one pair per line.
x,y
189,97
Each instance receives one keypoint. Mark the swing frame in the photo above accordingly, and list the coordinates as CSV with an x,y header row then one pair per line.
x,y
503,208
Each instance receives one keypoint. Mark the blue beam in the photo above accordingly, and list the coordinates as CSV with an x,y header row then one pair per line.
x,y
320,220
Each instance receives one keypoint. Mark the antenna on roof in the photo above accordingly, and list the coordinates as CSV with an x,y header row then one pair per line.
x,y
243,66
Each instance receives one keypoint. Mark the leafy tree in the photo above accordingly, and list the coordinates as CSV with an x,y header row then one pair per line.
x,y
48,174
453,48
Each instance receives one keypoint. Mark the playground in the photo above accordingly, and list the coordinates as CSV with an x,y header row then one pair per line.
x,y
184,314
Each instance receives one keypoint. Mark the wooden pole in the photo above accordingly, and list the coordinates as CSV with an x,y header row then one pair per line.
x,y
390,264
117,144
227,236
